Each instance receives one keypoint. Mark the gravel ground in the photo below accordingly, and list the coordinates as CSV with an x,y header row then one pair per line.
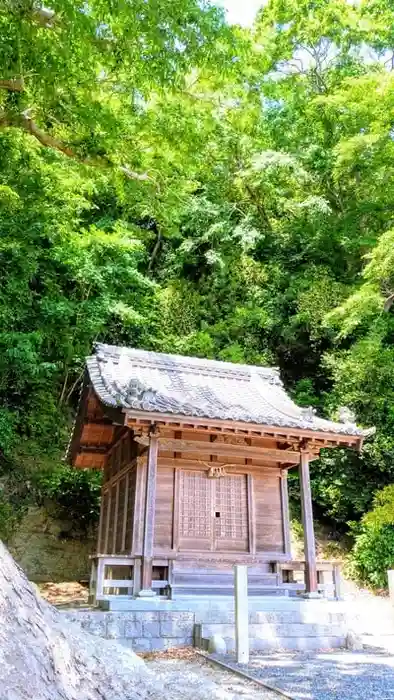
x,y
335,675
197,680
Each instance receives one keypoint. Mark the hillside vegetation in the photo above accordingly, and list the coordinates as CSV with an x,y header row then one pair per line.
x,y
172,183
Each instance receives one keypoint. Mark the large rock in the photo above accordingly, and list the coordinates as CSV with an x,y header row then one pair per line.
x,y
217,645
55,551
42,656
353,641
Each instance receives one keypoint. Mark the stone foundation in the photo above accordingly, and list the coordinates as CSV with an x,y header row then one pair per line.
x,y
141,630
274,624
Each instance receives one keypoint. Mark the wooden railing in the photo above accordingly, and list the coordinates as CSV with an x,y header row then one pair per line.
x,y
106,582
103,583
119,576
291,578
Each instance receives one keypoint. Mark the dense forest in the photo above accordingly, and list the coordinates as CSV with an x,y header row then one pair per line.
x,y
173,183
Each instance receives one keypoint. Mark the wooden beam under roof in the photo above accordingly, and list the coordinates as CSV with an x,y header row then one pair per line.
x,y
207,464
221,448
323,438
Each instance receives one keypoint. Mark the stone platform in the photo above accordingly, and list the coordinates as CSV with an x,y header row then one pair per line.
x,y
274,623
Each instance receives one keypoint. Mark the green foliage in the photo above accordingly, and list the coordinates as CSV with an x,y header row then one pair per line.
x,y
15,494
373,551
70,495
39,479
172,183
8,518
7,430
344,482
85,72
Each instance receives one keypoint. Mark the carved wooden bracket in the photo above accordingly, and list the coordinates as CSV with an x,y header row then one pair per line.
x,y
216,472
142,439
142,459
231,439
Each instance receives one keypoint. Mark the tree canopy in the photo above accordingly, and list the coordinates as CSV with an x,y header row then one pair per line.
x,y
173,183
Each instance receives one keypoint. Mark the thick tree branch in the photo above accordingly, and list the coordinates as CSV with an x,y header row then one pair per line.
x,y
45,139
259,206
13,85
388,303
24,121
132,175
28,124
155,250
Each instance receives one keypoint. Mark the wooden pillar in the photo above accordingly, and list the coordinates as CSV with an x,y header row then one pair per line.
x,y
285,513
307,522
251,515
149,518
101,527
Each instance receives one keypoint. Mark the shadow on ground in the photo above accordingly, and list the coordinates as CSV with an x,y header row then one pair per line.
x,y
326,675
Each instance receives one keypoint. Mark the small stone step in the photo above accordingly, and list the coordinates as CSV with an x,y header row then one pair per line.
x,y
272,631
303,616
283,643
385,641
290,643
180,590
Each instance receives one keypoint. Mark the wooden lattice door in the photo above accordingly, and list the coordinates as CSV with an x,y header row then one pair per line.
x,y
213,513
195,511
231,514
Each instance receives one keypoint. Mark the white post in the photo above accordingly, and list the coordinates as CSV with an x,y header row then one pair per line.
x,y
100,579
337,578
390,577
241,613
93,582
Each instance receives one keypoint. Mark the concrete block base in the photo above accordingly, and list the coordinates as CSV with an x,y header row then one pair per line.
x,y
274,624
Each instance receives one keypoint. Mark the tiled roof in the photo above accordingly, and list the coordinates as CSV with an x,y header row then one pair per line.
x,y
198,388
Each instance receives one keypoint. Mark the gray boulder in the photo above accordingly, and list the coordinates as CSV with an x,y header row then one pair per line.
x,y
44,656
217,645
354,641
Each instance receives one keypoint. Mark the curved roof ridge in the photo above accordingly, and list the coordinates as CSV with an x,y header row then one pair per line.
x,y
146,381
188,363
298,410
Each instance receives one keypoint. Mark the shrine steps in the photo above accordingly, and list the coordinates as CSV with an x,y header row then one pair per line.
x,y
279,624
275,623
204,589
277,633
216,582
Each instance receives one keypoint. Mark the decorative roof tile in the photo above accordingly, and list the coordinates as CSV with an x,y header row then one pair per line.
x,y
139,380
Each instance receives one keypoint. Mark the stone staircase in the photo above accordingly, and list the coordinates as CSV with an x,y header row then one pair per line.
x,y
277,630
274,623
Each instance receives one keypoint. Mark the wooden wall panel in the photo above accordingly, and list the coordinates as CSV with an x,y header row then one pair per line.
x,y
128,535
86,460
111,520
107,469
164,507
120,455
97,434
120,514
116,455
103,521
268,512
94,409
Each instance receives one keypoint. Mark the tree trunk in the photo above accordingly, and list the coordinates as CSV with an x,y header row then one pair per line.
x,y
42,656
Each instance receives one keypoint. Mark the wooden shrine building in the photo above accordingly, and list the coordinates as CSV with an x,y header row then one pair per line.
x,y
195,455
